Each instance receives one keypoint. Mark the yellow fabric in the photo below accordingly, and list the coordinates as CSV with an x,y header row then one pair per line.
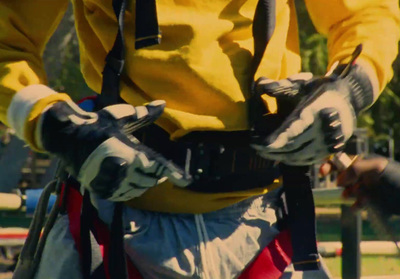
x,y
202,65
25,27
175,199
347,23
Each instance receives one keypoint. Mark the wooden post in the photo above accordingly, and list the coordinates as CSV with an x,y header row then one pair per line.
x,y
351,224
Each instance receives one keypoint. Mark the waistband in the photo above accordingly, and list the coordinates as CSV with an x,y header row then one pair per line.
x,y
218,161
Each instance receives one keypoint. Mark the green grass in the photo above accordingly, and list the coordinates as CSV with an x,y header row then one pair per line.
x,y
370,265
328,229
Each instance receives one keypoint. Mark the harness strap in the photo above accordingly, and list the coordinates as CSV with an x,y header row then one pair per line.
x,y
115,60
116,255
85,228
272,261
297,182
263,28
147,30
74,202
147,33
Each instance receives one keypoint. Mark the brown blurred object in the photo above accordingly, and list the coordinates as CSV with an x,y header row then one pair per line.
x,y
358,176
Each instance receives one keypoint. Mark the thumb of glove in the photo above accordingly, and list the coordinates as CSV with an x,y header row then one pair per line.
x,y
284,89
132,118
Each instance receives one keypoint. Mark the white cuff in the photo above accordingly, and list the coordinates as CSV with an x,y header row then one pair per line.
x,y
22,104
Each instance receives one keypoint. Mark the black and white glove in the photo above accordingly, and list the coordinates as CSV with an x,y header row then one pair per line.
x,y
323,114
99,151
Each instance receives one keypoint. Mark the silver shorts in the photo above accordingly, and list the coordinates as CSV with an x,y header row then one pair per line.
x,y
213,245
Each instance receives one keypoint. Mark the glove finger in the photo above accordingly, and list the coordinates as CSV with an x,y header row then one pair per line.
x,y
332,128
112,171
133,186
116,180
300,133
133,118
137,179
314,150
309,154
177,176
284,88
141,180
303,77
292,135
145,115
170,171
291,147
155,165
165,168
281,89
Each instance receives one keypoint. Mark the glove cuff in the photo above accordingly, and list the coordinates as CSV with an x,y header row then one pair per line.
x,y
362,93
27,106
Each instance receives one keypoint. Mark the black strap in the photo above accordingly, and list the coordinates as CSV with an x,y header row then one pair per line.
x,y
147,34
85,223
91,267
147,30
115,60
301,218
110,94
297,182
116,255
263,28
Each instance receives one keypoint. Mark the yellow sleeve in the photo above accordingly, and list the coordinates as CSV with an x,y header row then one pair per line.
x,y
347,23
25,28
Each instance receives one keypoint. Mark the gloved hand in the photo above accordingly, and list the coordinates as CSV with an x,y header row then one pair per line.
x,y
374,179
99,151
323,115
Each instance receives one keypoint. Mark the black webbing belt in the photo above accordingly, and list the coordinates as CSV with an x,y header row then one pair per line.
x,y
297,181
219,162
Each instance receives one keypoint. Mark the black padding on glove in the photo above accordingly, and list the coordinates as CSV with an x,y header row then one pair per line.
x,y
68,141
332,129
316,115
98,150
360,86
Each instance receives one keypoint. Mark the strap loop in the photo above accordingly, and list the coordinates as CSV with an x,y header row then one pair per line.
x,y
117,65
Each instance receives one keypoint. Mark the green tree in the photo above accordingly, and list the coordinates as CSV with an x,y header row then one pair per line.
x,y
61,60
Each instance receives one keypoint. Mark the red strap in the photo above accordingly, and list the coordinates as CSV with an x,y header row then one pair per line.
x,y
74,204
272,261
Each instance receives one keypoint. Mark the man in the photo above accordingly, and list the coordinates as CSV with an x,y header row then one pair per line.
x,y
201,69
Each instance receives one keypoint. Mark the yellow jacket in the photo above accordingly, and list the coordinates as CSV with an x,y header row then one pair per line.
x,y
200,68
